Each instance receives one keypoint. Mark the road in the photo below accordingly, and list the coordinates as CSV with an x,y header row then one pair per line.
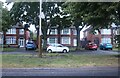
x,y
81,71
98,52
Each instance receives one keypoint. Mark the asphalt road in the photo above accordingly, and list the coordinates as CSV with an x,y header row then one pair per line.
x,y
98,52
82,71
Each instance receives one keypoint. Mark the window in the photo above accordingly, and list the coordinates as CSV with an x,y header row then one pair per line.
x,y
53,31
10,40
106,40
66,31
21,31
52,40
96,32
106,31
66,40
74,32
11,31
1,40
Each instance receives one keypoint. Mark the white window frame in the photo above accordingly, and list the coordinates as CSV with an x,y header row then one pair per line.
x,y
65,40
1,40
21,31
11,40
53,31
64,31
106,40
74,32
11,31
106,31
48,40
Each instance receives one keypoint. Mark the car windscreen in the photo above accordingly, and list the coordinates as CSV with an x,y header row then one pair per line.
x,y
109,44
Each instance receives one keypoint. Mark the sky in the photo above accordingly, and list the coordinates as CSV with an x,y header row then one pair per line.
x,y
32,27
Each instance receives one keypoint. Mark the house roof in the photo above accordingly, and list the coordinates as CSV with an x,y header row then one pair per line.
x,y
88,29
115,27
18,25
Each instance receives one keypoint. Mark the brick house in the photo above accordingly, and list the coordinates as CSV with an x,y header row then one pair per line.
x,y
67,36
115,32
16,36
103,36
1,39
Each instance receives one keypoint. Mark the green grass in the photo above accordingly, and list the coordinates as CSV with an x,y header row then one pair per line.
x,y
9,49
57,60
116,49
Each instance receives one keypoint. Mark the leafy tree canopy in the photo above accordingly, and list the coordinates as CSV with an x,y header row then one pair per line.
x,y
96,14
4,18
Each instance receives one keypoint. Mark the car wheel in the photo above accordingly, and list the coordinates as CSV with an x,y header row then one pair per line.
x,y
64,51
49,51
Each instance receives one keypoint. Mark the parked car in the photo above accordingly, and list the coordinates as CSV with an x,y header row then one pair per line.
x,y
57,48
104,46
30,45
91,46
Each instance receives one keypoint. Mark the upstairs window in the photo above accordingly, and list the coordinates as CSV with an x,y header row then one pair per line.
x,y
53,31
11,31
66,31
21,31
106,31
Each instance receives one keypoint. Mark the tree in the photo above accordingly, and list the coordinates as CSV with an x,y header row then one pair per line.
x,y
96,14
75,16
4,18
29,12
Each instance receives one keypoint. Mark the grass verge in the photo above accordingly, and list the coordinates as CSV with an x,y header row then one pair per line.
x,y
116,49
58,60
9,49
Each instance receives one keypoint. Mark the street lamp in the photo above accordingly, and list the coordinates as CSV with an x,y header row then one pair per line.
x,y
40,40
41,16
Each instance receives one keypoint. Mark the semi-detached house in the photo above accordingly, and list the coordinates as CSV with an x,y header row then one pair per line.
x,y
16,36
66,37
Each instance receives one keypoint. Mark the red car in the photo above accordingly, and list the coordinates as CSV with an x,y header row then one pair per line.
x,y
91,46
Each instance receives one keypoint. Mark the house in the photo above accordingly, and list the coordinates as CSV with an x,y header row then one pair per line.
x,y
67,36
103,36
115,33
16,36
1,39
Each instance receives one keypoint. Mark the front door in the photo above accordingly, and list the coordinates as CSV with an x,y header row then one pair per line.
x,y
22,42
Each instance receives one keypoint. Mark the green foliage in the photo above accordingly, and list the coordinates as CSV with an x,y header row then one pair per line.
x,y
96,14
29,12
0,16
5,19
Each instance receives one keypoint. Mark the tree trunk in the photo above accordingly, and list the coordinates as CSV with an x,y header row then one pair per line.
x,y
37,37
44,41
59,38
78,38
4,37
